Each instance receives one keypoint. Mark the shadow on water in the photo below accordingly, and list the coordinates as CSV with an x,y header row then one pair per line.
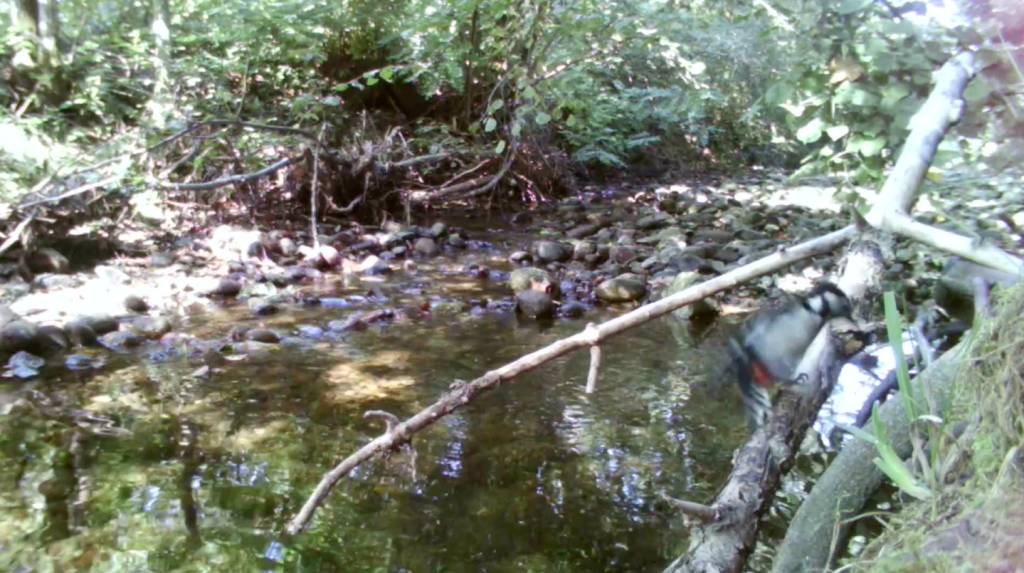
x,y
536,476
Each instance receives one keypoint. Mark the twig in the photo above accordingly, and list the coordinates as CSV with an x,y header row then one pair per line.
x,y
497,176
421,197
595,359
420,159
72,192
390,420
16,233
314,192
262,127
703,513
460,395
231,179
464,173
877,394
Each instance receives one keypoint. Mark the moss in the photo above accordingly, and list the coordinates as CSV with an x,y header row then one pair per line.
x,y
976,520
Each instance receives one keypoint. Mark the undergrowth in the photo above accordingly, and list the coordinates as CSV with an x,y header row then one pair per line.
x,y
976,520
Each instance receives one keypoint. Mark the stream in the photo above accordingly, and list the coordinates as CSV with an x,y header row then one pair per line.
x,y
146,465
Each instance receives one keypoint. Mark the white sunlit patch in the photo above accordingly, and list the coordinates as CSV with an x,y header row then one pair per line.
x,y
855,384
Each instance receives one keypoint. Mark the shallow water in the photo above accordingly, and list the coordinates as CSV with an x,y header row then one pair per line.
x,y
174,472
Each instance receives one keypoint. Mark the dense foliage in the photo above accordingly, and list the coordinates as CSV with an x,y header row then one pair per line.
x,y
657,83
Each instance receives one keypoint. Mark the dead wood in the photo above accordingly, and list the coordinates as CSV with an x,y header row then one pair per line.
x,y
233,179
820,525
940,111
723,544
845,486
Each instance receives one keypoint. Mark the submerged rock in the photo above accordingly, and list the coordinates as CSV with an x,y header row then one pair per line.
x,y
572,309
529,278
121,341
264,335
623,288
151,327
83,362
551,251
262,307
310,331
702,308
535,304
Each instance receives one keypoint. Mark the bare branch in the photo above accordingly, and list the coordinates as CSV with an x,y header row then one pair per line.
x,y
232,179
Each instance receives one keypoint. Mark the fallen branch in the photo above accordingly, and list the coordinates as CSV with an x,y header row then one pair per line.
x,y
284,129
72,192
758,467
426,197
232,179
959,245
822,521
846,485
419,159
940,111
461,394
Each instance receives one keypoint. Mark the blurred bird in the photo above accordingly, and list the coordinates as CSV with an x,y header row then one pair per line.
x,y
771,344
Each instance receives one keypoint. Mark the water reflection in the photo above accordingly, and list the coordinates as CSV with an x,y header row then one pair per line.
x,y
536,475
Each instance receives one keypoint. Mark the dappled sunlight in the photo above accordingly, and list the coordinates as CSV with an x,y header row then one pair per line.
x,y
375,378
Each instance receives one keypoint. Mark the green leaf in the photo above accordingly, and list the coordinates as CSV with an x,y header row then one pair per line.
x,y
837,132
893,93
872,146
811,131
387,74
490,125
542,118
891,464
495,106
977,90
500,147
372,80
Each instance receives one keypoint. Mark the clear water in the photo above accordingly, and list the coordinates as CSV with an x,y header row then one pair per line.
x,y
203,474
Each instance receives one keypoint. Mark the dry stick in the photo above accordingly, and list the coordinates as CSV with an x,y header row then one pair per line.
x,y
262,127
419,159
462,394
704,513
497,176
464,173
421,197
595,358
314,192
72,192
16,233
966,247
232,179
